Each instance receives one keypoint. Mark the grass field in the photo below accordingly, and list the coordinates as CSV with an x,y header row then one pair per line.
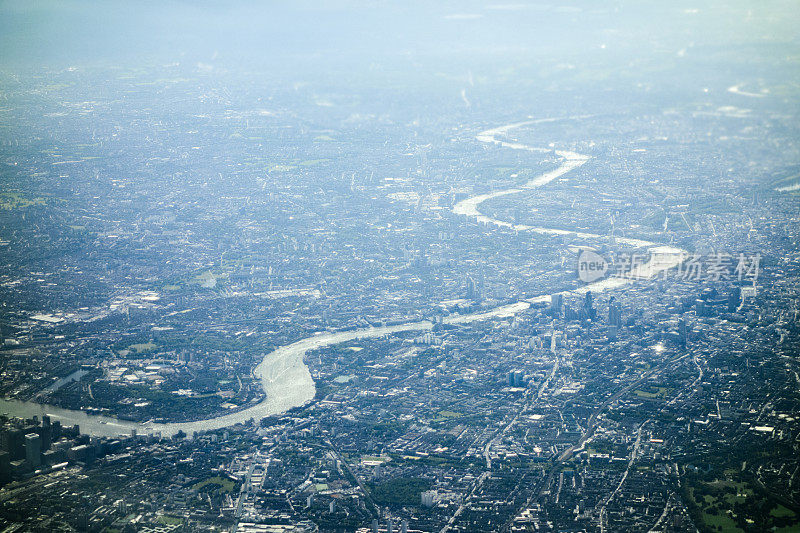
x,y
225,484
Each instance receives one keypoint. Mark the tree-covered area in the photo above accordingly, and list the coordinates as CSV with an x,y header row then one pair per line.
x,y
399,491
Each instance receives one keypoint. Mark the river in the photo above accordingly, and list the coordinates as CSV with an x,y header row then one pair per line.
x,y
284,376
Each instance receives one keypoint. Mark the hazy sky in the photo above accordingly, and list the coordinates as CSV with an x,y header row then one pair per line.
x,y
357,32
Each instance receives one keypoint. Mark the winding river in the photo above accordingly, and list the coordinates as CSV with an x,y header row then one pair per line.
x,y
284,376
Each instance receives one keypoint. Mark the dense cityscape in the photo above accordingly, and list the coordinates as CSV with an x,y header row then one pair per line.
x,y
501,287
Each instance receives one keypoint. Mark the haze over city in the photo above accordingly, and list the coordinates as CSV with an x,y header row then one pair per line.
x,y
381,267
